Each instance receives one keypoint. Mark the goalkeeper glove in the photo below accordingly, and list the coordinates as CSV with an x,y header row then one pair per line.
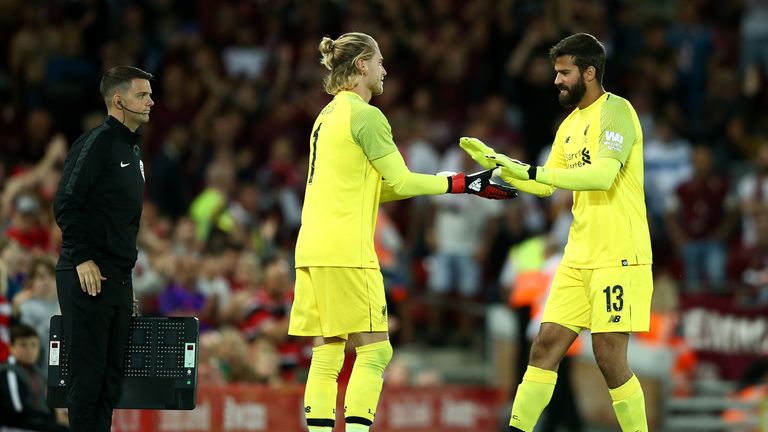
x,y
480,184
477,150
513,167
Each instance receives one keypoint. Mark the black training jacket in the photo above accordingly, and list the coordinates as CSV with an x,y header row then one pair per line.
x,y
99,199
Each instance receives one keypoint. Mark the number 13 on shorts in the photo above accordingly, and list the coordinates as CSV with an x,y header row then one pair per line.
x,y
621,298
610,299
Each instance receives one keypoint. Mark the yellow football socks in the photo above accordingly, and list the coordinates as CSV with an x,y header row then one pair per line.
x,y
321,390
629,405
533,395
365,385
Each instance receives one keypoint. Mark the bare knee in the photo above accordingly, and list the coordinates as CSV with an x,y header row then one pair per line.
x,y
550,345
611,356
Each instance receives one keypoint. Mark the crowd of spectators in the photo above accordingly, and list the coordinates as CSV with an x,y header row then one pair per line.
x,y
238,84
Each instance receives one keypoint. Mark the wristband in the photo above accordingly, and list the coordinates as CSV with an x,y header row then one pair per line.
x,y
532,172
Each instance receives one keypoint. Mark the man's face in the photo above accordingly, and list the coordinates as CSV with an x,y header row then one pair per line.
x,y
138,98
569,81
375,73
26,350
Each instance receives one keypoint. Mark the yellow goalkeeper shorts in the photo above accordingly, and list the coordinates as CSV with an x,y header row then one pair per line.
x,y
337,301
604,300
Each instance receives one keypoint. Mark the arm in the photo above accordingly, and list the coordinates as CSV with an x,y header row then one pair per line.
x,y
373,134
82,168
57,150
598,176
617,136
400,183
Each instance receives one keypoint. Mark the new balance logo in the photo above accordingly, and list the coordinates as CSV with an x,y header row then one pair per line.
x,y
614,319
475,185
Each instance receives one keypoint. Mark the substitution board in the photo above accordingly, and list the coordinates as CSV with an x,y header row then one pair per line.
x,y
160,364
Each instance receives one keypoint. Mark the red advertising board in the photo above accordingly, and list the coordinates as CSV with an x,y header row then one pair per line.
x,y
243,408
727,335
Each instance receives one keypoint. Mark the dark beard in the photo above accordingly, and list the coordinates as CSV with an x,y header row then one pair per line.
x,y
574,95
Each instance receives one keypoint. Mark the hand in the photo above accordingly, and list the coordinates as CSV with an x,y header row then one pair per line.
x,y
480,184
90,277
510,167
477,150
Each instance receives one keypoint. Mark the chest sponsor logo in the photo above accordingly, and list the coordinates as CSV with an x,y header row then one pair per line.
x,y
578,158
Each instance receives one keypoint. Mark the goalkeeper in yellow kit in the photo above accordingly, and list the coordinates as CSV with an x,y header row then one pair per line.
x,y
353,166
604,281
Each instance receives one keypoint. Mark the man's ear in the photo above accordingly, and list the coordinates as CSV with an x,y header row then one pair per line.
x,y
590,73
361,66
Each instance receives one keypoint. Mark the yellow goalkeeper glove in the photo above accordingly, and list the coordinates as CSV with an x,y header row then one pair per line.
x,y
512,167
477,150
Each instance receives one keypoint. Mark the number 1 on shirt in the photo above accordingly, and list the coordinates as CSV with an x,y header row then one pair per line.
x,y
314,153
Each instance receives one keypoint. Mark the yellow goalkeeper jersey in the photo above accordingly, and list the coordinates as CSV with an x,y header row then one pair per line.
x,y
343,188
609,228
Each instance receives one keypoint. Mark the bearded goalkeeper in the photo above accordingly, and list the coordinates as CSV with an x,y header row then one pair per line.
x,y
604,281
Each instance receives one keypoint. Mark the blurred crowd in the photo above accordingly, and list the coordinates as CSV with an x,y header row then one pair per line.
x,y
238,84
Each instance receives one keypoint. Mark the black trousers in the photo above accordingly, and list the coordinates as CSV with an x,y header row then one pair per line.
x,y
97,330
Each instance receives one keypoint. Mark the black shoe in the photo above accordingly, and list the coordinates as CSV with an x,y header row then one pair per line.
x,y
514,429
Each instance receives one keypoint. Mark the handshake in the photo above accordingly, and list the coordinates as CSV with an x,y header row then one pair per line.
x,y
488,158
480,183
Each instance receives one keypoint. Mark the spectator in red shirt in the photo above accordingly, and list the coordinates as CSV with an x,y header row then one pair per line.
x,y
265,316
699,218
26,227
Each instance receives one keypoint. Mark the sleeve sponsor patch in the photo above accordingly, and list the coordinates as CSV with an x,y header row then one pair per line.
x,y
613,141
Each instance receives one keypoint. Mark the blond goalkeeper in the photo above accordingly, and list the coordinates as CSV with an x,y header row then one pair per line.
x,y
353,166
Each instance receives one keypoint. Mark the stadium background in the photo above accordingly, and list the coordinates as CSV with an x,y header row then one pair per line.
x,y
237,86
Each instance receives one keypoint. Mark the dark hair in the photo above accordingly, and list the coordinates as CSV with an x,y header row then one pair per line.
x,y
586,51
120,76
22,331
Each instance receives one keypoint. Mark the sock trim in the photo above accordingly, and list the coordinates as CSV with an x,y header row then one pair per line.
x,y
321,422
532,373
359,420
626,390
